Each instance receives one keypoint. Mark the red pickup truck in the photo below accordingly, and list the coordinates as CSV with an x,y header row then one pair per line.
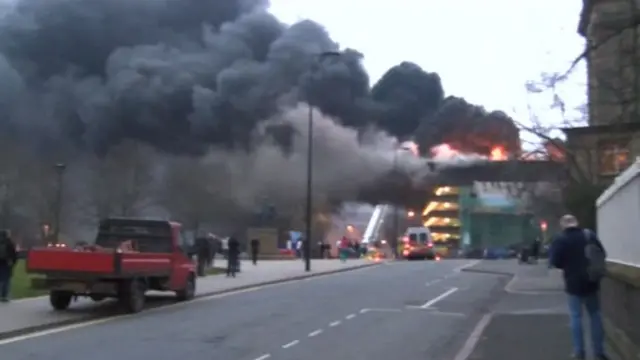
x,y
129,257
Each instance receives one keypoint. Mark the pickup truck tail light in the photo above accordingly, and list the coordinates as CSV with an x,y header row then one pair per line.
x,y
59,245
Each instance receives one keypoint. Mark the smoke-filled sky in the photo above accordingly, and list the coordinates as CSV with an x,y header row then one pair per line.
x,y
483,50
186,76
233,79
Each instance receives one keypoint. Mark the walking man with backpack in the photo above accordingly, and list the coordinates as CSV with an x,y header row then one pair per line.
x,y
8,258
581,256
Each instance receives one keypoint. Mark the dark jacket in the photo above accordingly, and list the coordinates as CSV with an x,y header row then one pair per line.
x,y
203,246
12,253
568,253
255,245
234,247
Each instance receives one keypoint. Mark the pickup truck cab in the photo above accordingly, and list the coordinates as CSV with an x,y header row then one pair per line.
x,y
129,257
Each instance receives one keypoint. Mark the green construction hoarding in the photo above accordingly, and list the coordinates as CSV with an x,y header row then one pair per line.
x,y
491,218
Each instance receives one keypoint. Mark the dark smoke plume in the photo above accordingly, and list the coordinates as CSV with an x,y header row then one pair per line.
x,y
180,75
224,80
185,75
469,128
406,94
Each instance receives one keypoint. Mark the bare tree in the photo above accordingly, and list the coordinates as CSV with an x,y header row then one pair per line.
x,y
24,202
122,183
582,186
187,192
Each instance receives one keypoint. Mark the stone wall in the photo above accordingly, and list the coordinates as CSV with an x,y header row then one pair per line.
x,y
613,60
621,309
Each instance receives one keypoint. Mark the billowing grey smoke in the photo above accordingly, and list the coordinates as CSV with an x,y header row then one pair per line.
x,y
180,75
343,163
220,79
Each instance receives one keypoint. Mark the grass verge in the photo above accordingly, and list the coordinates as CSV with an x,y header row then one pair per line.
x,y
215,271
21,283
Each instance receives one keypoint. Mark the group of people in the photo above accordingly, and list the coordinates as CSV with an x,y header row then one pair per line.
x,y
348,247
208,246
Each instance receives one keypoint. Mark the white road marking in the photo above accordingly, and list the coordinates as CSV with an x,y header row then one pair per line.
x,y
350,316
54,331
263,357
315,333
293,343
435,281
470,344
363,311
80,325
65,328
445,313
438,298
467,265
335,323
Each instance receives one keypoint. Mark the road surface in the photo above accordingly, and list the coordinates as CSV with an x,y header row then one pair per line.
x,y
413,310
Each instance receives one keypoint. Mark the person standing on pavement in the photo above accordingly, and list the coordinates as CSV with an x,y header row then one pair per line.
x,y
255,249
233,256
203,250
344,249
212,247
8,259
535,250
581,257
299,244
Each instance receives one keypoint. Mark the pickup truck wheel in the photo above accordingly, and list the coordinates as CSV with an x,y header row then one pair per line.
x,y
189,291
132,297
60,300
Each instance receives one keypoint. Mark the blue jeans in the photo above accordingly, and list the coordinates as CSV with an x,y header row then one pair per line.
x,y
592,304
5,281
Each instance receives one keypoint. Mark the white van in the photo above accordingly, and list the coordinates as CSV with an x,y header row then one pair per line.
x,y
417,243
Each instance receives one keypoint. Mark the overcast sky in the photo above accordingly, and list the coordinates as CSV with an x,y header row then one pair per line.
x,y
483,50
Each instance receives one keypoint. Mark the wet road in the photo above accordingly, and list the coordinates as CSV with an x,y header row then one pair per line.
x,y
407,310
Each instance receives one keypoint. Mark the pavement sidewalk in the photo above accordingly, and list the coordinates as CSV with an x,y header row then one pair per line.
x,y
527,278
531,320
34,314
524,337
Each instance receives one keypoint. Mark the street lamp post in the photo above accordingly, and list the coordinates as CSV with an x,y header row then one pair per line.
x,y
309,205
60,168
396,221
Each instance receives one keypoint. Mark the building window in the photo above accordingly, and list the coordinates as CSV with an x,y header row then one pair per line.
x,y
613,159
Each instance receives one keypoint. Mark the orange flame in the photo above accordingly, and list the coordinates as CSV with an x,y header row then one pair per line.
x,y
498,154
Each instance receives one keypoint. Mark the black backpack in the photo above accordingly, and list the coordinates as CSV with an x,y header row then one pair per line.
x,y
597,265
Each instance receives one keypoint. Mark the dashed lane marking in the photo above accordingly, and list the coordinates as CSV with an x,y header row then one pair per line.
x,y
263,357
350,316
293,343
364,311
335,323
438,298
315,333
